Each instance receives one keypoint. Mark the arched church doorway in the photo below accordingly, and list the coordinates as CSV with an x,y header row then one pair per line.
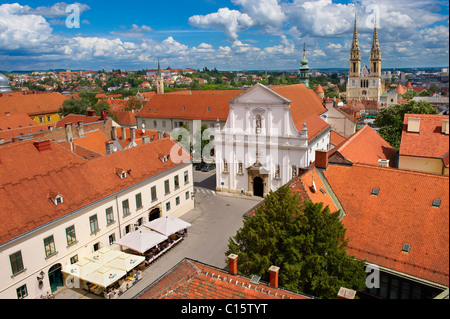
x,y
154,214
258,186
55,277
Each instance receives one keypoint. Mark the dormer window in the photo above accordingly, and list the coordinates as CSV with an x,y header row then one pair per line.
x,y
121,173
375,191
56,198
163,157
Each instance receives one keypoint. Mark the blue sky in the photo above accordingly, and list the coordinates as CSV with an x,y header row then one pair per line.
x,y
227,35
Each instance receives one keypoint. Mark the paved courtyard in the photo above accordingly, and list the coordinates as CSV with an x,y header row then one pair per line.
x,y
214,220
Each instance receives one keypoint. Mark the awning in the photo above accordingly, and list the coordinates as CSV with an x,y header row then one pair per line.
x,y
141,240
167,225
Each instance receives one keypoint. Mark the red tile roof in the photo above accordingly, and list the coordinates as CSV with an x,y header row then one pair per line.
x,y
319,89
336,139
195,105
191,279
13,121
27,176
366,147
32,104
430,142
402,213
305,107
75,118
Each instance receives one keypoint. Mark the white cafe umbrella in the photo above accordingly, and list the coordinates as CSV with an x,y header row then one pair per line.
x,y
105,276
167,225
126,262
82,268
103,255
141,240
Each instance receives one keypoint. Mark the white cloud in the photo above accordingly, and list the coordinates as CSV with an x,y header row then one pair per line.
x,y
231,22
57,10
135,31
21,31
266,14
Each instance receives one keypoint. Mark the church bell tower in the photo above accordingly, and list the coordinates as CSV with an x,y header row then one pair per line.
x,y
375,54
355,54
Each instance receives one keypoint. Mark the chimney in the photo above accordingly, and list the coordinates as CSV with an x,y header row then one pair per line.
x,y
345,293
113,133
2,141
145,139
109,147
7,114
232,264
321,159
80,129
445,128
43,145
132,134
413,125
90,113
103,115
383,162
124,133
273,270
69,136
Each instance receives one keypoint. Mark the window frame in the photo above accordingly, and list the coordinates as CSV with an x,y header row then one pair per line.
x,y
109,213
16,264
126,210
69,235
49,246
93,220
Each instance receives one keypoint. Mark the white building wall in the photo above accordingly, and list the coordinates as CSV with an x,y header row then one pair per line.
x,y
31,245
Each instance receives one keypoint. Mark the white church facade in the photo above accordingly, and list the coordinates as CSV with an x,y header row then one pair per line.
x,y
270,134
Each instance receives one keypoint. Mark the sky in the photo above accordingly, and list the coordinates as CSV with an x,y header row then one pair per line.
x,y
225,34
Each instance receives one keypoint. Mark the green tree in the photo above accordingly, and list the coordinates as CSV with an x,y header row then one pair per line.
x,y
306,241
72,106
390,119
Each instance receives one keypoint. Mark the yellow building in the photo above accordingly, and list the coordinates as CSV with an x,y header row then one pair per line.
x,y
41,107
365,84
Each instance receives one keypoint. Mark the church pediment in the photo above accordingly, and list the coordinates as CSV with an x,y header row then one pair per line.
x,y
260,94
257,168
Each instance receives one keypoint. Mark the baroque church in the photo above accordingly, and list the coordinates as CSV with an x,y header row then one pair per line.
x,y
365,83
271,134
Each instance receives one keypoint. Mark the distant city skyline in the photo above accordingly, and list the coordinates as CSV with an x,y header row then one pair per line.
x,y
227,35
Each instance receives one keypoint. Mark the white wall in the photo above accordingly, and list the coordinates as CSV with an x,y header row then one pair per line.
x,y
31,245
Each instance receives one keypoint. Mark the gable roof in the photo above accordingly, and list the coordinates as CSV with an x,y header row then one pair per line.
x,y
402,213
190,106
191,279
365,146
430,142
27,175
306,107
14,121
32,104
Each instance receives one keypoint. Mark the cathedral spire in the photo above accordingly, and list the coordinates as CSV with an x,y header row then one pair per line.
x,y
355,53
355,43
375,54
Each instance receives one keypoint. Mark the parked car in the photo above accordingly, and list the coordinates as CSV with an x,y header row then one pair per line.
x,y
198,167
207,168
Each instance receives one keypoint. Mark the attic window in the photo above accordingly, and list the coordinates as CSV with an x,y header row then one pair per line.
x,y
436,203
156,111
121,173
184,108
406,248
375,191
208,109
56,198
